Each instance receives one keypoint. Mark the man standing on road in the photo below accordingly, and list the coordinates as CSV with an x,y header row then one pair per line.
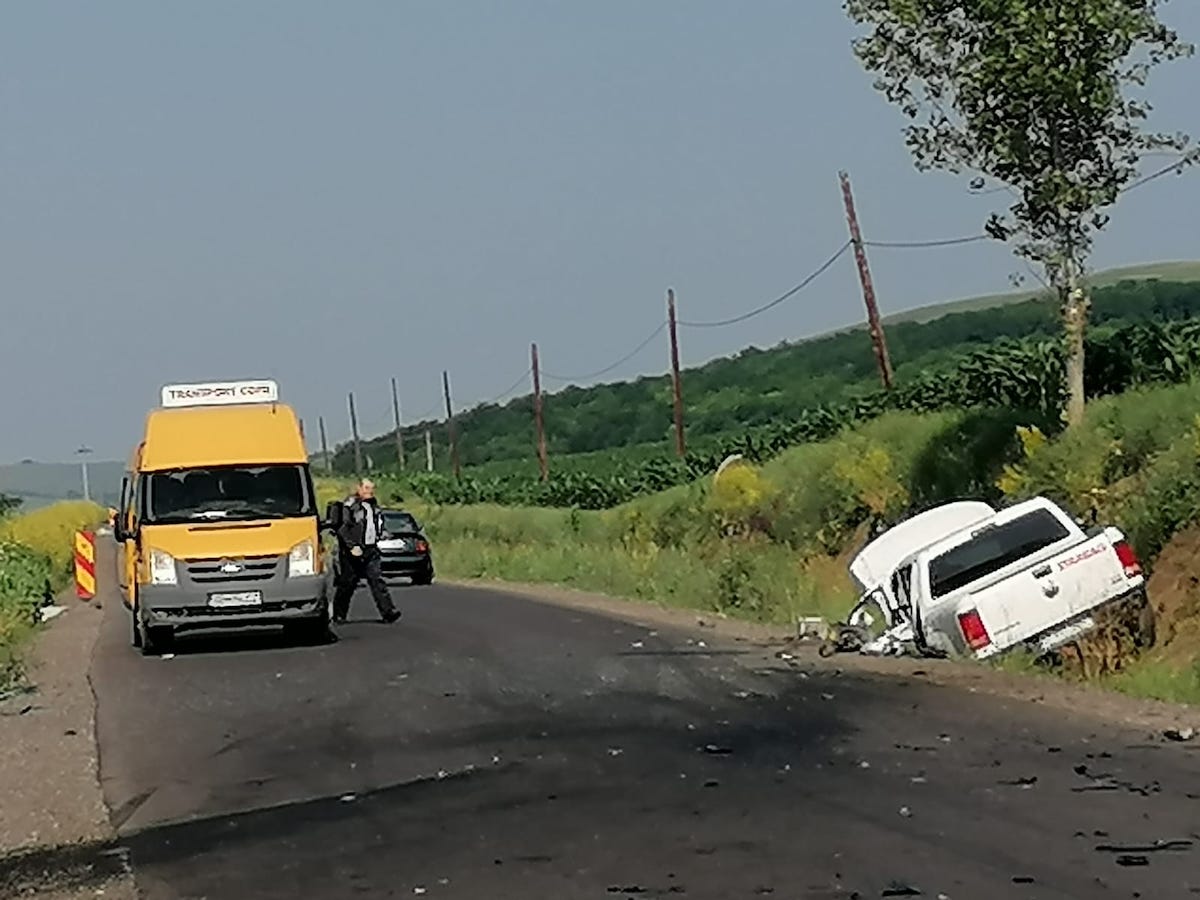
x,y
358,537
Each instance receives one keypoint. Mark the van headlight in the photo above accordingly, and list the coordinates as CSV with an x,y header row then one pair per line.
x,y
302,560
162,568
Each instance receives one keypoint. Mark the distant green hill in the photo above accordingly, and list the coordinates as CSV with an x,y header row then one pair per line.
x,y
1182,272
40,484
759,387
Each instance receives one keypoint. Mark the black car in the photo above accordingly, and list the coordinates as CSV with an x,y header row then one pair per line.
x,y
405,548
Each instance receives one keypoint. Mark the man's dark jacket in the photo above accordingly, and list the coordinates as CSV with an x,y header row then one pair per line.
x,y
352,531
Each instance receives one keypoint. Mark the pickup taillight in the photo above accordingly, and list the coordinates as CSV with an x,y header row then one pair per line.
x,y
1128,559
973,629
422,547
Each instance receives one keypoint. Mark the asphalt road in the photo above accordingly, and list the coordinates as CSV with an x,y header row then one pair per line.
x,y
488,746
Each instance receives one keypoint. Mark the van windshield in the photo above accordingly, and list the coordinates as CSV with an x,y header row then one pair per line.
x,y
223,493
992,549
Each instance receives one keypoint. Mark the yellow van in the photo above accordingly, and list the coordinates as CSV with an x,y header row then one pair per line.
x,y
124,524
219,517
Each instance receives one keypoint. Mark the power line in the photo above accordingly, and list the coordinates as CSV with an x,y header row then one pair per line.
x,y
948,242
624,359
1176,167
817,273
512,387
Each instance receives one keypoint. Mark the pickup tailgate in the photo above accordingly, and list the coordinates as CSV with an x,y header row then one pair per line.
x,y
1049,602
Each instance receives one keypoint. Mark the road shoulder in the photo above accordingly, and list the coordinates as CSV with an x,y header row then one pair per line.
x,y
56,840
777,646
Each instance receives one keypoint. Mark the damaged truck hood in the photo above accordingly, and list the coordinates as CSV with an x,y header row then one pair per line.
x,y
875,563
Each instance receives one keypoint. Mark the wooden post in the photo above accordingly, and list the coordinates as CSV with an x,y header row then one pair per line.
x,y
399,433
874,325
676,380
450,426
324,445
358,460
539,425
428,451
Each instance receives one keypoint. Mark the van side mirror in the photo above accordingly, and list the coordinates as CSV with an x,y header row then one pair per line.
x,y
333,516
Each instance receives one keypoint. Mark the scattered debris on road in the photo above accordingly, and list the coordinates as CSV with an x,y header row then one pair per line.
x,y
1179,734
1130,860
49,612
900,889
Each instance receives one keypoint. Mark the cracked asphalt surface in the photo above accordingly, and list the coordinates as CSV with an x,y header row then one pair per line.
x,y
490,746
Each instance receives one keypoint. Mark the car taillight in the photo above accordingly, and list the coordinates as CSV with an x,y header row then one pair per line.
x,y
422,547
1128,559
973,629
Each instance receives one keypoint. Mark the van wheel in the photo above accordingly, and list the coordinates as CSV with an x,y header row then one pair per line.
x,y
157,639
311,632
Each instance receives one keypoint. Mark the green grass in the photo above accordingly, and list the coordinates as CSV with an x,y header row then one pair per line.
x,y
1156,680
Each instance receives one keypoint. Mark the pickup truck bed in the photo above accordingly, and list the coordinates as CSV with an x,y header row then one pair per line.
x,y
1027,578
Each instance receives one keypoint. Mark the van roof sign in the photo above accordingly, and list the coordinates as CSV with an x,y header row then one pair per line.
x,y
220,393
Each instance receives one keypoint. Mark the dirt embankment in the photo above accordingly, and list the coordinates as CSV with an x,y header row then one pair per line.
x,y
1175,598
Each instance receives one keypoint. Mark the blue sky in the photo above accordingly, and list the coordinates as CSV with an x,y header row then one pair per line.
x,y
335,194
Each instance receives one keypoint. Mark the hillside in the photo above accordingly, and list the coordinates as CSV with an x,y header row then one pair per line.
x,y
40,484
759,386
1179,272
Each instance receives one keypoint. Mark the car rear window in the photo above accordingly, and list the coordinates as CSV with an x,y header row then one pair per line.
x,y
400,523
993,549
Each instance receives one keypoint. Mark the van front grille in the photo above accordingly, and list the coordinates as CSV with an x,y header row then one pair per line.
x,y
250,568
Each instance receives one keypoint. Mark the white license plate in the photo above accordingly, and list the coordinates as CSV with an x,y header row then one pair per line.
x,y
244,598
1066,633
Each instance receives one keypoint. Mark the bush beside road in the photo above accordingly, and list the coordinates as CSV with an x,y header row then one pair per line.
x,y
36,553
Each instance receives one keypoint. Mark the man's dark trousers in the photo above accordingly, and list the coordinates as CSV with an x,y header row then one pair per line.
x,y
353,570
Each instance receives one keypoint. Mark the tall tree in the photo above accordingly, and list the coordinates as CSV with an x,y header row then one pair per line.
x,y
1040,96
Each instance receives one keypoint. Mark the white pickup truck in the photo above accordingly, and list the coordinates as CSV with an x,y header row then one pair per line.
x,y
964,579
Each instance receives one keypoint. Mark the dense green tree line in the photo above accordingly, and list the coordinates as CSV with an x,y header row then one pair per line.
x,y
1018,376
764,389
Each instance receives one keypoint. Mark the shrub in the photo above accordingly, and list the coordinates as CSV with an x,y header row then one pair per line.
x,y
51,531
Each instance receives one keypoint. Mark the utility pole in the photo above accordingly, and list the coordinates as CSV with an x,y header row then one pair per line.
x,y
874,325
324,445
428,450
539,424
83,452
358,460
450,426
676,381
399,433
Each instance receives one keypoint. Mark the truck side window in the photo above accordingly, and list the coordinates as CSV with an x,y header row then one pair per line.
x,y
902,586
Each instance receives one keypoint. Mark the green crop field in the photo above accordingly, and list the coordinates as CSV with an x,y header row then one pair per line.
x,y
611,442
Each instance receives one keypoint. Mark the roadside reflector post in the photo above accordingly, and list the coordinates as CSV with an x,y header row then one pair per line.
x,y
85,564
